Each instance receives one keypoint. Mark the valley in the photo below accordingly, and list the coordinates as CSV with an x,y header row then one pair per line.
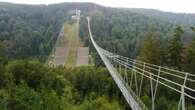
x,y
48,62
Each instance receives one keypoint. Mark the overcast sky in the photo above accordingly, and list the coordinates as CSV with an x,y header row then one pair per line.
x,y
182,6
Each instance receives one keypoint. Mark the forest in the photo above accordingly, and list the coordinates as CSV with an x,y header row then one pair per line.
x,y
30,85
28,34
132,34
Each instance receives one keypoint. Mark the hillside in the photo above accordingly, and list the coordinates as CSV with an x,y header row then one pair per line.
x,y
177,18
42,24
32,34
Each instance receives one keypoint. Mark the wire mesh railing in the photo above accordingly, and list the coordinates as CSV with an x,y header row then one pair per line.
x,y
182,83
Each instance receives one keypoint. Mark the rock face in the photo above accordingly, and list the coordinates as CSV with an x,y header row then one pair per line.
x,y
82,56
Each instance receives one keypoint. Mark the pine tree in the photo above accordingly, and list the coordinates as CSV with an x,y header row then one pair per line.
x,y
175,49
190,56
150,52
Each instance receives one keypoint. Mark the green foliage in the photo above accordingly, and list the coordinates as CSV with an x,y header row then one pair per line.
x,y
91,79
30,31
175,49
150,52
177,18
3,52
190,56
121,31
4,97
25,98
30,85
192,107
100,103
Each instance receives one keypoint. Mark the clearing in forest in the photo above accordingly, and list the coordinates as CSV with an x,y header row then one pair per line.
x,y
71,33
59,52
68,50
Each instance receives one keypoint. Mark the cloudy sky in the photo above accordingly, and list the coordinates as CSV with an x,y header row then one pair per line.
x,y
182,6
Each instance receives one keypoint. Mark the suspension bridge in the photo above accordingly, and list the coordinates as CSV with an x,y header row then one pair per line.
x,y
131,76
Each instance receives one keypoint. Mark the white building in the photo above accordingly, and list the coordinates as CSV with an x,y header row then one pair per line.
x,y
77,15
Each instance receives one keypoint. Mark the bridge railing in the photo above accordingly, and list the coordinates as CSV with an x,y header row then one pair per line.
x,y
181,82
129,74
159,74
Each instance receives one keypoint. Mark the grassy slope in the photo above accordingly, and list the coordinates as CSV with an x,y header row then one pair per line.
x,y
72,36
70,40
